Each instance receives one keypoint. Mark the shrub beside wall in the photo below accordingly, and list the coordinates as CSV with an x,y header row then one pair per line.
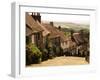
x,y
45,54
33,54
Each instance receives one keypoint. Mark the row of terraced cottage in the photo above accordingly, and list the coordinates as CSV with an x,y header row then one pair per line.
x,y
47,39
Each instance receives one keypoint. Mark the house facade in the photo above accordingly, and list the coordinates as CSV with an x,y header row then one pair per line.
x,y
44,35
35,31
53,36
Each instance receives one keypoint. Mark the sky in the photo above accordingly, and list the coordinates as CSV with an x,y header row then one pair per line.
x,y
82,19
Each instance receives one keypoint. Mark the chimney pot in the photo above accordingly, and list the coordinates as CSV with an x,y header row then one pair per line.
x,y
59,27
51,23
36,16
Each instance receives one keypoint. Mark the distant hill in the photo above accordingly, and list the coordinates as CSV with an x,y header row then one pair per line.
x,y
67,26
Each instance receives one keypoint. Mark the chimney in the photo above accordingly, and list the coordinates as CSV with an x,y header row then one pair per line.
x,y
59,27
51,23
36,16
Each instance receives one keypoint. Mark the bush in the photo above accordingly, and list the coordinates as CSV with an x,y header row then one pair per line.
x,y
33,54
87,56
28,39
61,52
67,34
45,54
28,56
58,51
51,53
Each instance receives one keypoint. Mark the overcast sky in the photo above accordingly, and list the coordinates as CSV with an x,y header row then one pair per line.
x,y
66,18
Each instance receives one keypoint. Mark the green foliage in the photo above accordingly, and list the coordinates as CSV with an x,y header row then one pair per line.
x,y
84,31
51,52
28,39
48,52
85,34
45,54
67,33
33,54
28,56
58,51
34,49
